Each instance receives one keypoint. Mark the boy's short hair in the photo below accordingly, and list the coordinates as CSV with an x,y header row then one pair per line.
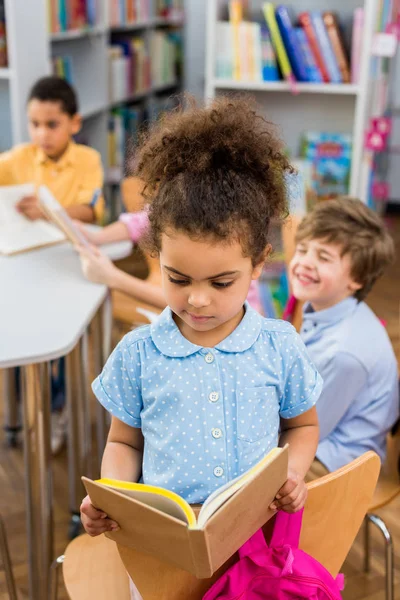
x,y
360,233
55,89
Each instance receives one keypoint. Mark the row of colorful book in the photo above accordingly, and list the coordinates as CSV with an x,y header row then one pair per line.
x,y
68,15
132,71
125,124
323,170
62,66
125,12
3,38
307,48
129,69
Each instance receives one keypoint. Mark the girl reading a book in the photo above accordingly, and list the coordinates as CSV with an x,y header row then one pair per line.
x,y
207,390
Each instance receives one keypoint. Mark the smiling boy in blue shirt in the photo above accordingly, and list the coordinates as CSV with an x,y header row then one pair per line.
x,y
342,248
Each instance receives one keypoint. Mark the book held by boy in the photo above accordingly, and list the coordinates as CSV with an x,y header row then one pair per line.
x,y
159,522
19,234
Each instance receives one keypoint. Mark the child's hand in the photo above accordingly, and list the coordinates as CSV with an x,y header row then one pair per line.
x,y
93,237
96,266
95,521
30,208
292,495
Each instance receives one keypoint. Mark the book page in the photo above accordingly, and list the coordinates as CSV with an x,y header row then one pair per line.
x,y
159,498
17,233
222,494
60,217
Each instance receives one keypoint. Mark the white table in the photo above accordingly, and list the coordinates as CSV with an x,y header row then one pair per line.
x,y
46,307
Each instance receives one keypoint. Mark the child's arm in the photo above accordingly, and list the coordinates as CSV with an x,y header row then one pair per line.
x,y
116,232
82,212
301,433
122,459
97,267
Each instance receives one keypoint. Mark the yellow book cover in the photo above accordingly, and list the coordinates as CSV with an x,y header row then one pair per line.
x,y
160,522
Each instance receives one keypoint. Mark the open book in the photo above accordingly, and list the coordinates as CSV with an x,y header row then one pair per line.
x,y
160,522
19,234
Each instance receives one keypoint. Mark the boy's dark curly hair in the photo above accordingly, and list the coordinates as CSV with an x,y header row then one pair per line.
x,y
215,171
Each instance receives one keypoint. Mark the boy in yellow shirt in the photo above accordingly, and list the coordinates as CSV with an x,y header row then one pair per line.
x,y
71,171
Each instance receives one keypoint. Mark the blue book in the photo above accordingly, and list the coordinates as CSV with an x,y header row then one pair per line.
x,y
312,70
270,70
327,52
91,12
291,43
63,15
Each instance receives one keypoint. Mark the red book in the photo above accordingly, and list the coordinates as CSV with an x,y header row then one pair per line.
x,y
305,22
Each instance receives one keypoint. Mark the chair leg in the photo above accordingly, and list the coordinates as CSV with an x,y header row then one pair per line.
x,y
54,570
367,549
380,524
12,592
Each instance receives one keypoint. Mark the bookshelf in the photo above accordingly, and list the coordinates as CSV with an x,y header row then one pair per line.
x,y
87,51
342,108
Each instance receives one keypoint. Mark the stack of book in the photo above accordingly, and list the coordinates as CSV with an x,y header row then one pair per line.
x,y
124,125
126,122
70,15
308,48
129,68
62,66
3,39
132,72
169,9
126,12
164,51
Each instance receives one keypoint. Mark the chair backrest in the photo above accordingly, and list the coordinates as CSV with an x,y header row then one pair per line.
x,y
389,479
335,508
131,191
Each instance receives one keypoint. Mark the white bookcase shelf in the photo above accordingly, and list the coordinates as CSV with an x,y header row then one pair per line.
x,y
75,34
282,86
31,48
317,107
5,73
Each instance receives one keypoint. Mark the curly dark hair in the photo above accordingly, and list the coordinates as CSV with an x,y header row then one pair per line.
x,y
217,171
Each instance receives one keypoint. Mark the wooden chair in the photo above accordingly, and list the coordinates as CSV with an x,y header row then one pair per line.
x,y
124,306
335,509
387,489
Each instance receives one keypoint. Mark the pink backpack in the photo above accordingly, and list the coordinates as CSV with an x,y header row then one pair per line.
x,y
279,571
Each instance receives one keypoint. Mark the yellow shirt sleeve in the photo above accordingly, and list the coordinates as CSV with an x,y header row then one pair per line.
x,y
91,182
7,163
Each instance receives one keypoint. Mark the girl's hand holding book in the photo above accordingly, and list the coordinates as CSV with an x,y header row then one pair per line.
x,y
96,266
95,521
292,495
93,237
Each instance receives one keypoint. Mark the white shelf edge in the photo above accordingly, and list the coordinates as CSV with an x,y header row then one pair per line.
x,y
140,25
5,73
164,86
155,89
76,34
87,113
345,89
131,98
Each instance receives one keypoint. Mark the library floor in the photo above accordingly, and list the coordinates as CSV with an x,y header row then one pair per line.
x,y
384,300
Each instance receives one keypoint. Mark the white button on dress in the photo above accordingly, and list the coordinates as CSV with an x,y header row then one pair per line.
x,y
216,433
218,471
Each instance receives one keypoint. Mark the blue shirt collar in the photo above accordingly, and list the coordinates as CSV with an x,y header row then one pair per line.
x,y
169,340
334,314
